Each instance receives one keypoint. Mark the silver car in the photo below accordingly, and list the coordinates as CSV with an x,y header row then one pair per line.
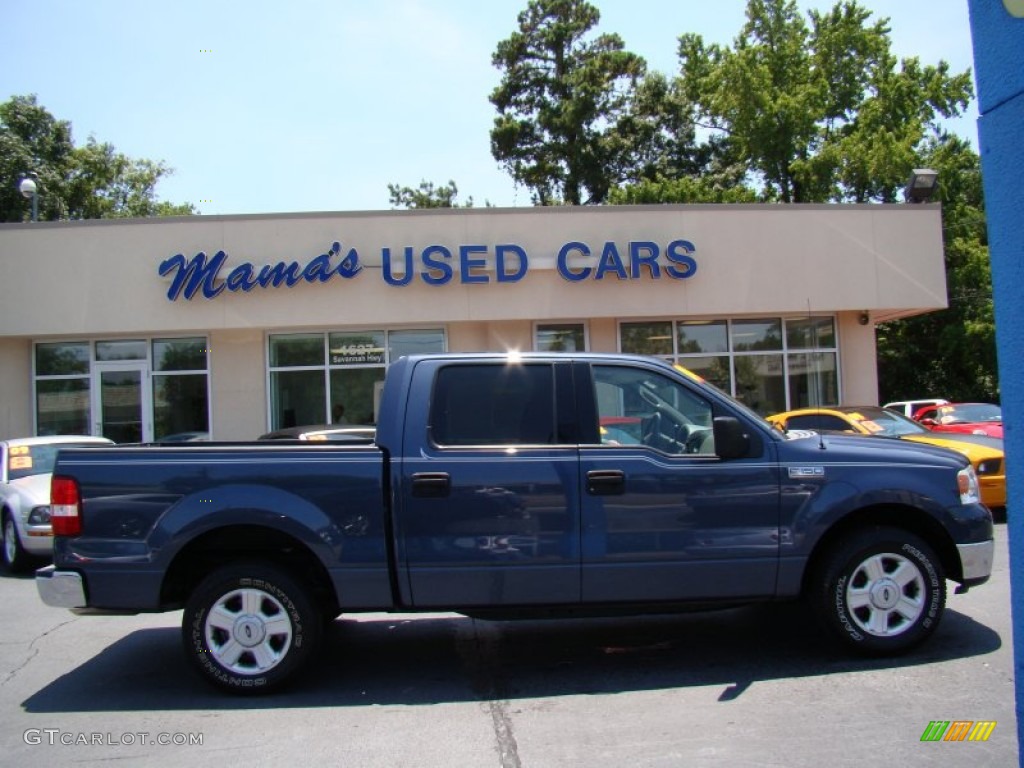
x,y
25,467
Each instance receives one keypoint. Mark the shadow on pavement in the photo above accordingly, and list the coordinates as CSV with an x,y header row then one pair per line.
x,y
409,660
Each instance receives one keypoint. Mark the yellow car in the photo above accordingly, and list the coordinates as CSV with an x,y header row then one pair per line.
x,y
984,453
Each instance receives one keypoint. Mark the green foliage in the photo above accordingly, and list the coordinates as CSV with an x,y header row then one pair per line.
x,y
950,353
426,196
564,127
88,182
819,112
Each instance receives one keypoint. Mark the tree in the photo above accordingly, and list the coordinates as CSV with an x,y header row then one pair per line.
x,y
821,112
426,196
564,122
88,182
950,353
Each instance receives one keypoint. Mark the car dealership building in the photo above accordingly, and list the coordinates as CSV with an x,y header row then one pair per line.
x,y
230,326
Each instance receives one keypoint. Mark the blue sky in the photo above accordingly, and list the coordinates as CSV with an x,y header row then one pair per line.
x,y
317,105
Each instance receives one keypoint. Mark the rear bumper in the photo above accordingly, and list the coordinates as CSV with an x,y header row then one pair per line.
x,y
976,562
60,589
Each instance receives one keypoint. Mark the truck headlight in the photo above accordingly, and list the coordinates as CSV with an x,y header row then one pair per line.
x,y
967,482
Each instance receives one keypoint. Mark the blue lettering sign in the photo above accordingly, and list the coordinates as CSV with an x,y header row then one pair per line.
x,y
504,275
200,274
563,262
434,265
680,253
388,273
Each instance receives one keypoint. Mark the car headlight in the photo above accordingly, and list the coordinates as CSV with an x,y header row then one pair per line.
x,y
39,515
989,466
967,481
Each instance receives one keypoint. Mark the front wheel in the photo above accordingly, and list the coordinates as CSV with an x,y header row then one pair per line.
x,y
250,628
16,559
882,592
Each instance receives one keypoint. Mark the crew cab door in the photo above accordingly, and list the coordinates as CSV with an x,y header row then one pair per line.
x,y
487,494
663,517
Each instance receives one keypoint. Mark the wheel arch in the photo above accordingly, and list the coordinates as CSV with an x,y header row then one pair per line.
x,y
220,546
907,518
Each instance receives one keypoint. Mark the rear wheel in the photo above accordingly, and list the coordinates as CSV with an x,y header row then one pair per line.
x,y
250,628
16,559
883,591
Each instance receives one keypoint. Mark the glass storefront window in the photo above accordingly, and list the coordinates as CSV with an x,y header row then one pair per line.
x,y
297,398
699,336
297,349
180,406
179,354
62,406
712,369
414,343
653,338
760,384
62,359
568,337
108,351
365,348
307,389
756,335
811,333
354,395
813,379
771,364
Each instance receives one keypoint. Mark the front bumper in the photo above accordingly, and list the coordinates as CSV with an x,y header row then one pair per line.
x,y
60,589
976,562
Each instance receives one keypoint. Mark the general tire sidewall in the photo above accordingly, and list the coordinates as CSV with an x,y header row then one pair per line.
x,y
304,618
840,618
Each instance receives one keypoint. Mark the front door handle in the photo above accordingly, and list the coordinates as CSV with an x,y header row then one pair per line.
x,y
606,482
431,485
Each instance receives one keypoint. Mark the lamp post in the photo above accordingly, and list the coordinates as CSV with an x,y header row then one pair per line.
x,y
28,185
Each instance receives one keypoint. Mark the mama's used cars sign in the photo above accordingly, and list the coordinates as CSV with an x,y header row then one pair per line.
x,y
210,276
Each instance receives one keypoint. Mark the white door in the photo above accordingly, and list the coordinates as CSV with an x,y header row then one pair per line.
x,y
122,402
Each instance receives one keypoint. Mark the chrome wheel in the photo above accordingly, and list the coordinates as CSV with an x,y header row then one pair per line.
x,y
886,594
248,631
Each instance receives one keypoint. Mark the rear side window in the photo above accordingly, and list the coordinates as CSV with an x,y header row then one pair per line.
x,y
493,405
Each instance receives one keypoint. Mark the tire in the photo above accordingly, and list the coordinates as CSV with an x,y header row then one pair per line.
x,y
881,592
16,559
250,628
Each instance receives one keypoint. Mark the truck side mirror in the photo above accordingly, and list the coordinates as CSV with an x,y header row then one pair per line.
x,y
732,440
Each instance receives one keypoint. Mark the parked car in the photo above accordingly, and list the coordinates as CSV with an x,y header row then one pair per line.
x,y
984,453
966,418
910,407
360,434
25,467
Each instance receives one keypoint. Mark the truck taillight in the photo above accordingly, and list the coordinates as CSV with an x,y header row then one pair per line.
x,y
65,506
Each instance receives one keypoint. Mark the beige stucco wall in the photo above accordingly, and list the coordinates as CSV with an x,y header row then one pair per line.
x,y
102,280
15,387
102,277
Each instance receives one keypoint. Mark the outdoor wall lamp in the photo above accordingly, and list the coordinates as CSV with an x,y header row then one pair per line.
x,y
921,186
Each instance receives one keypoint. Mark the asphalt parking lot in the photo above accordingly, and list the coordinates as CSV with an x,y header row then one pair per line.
x,y
740,687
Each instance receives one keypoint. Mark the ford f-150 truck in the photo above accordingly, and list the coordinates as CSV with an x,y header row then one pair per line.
x,y
505,486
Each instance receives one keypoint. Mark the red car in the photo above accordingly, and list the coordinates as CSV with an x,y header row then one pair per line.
x,y
966,418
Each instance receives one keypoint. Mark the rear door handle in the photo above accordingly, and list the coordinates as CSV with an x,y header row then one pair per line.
x,y
431,485
606,482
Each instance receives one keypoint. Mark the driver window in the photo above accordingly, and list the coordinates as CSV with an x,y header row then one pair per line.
x,y
640,407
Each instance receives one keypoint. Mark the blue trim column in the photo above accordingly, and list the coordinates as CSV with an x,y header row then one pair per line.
x,y
997,28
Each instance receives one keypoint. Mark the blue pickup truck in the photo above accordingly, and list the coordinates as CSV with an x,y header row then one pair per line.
x,y
505,486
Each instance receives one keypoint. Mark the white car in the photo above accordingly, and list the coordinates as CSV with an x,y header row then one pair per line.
x,y
25,467
909,407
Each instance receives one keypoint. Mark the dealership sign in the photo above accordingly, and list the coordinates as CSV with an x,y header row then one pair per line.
x,y
209,276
